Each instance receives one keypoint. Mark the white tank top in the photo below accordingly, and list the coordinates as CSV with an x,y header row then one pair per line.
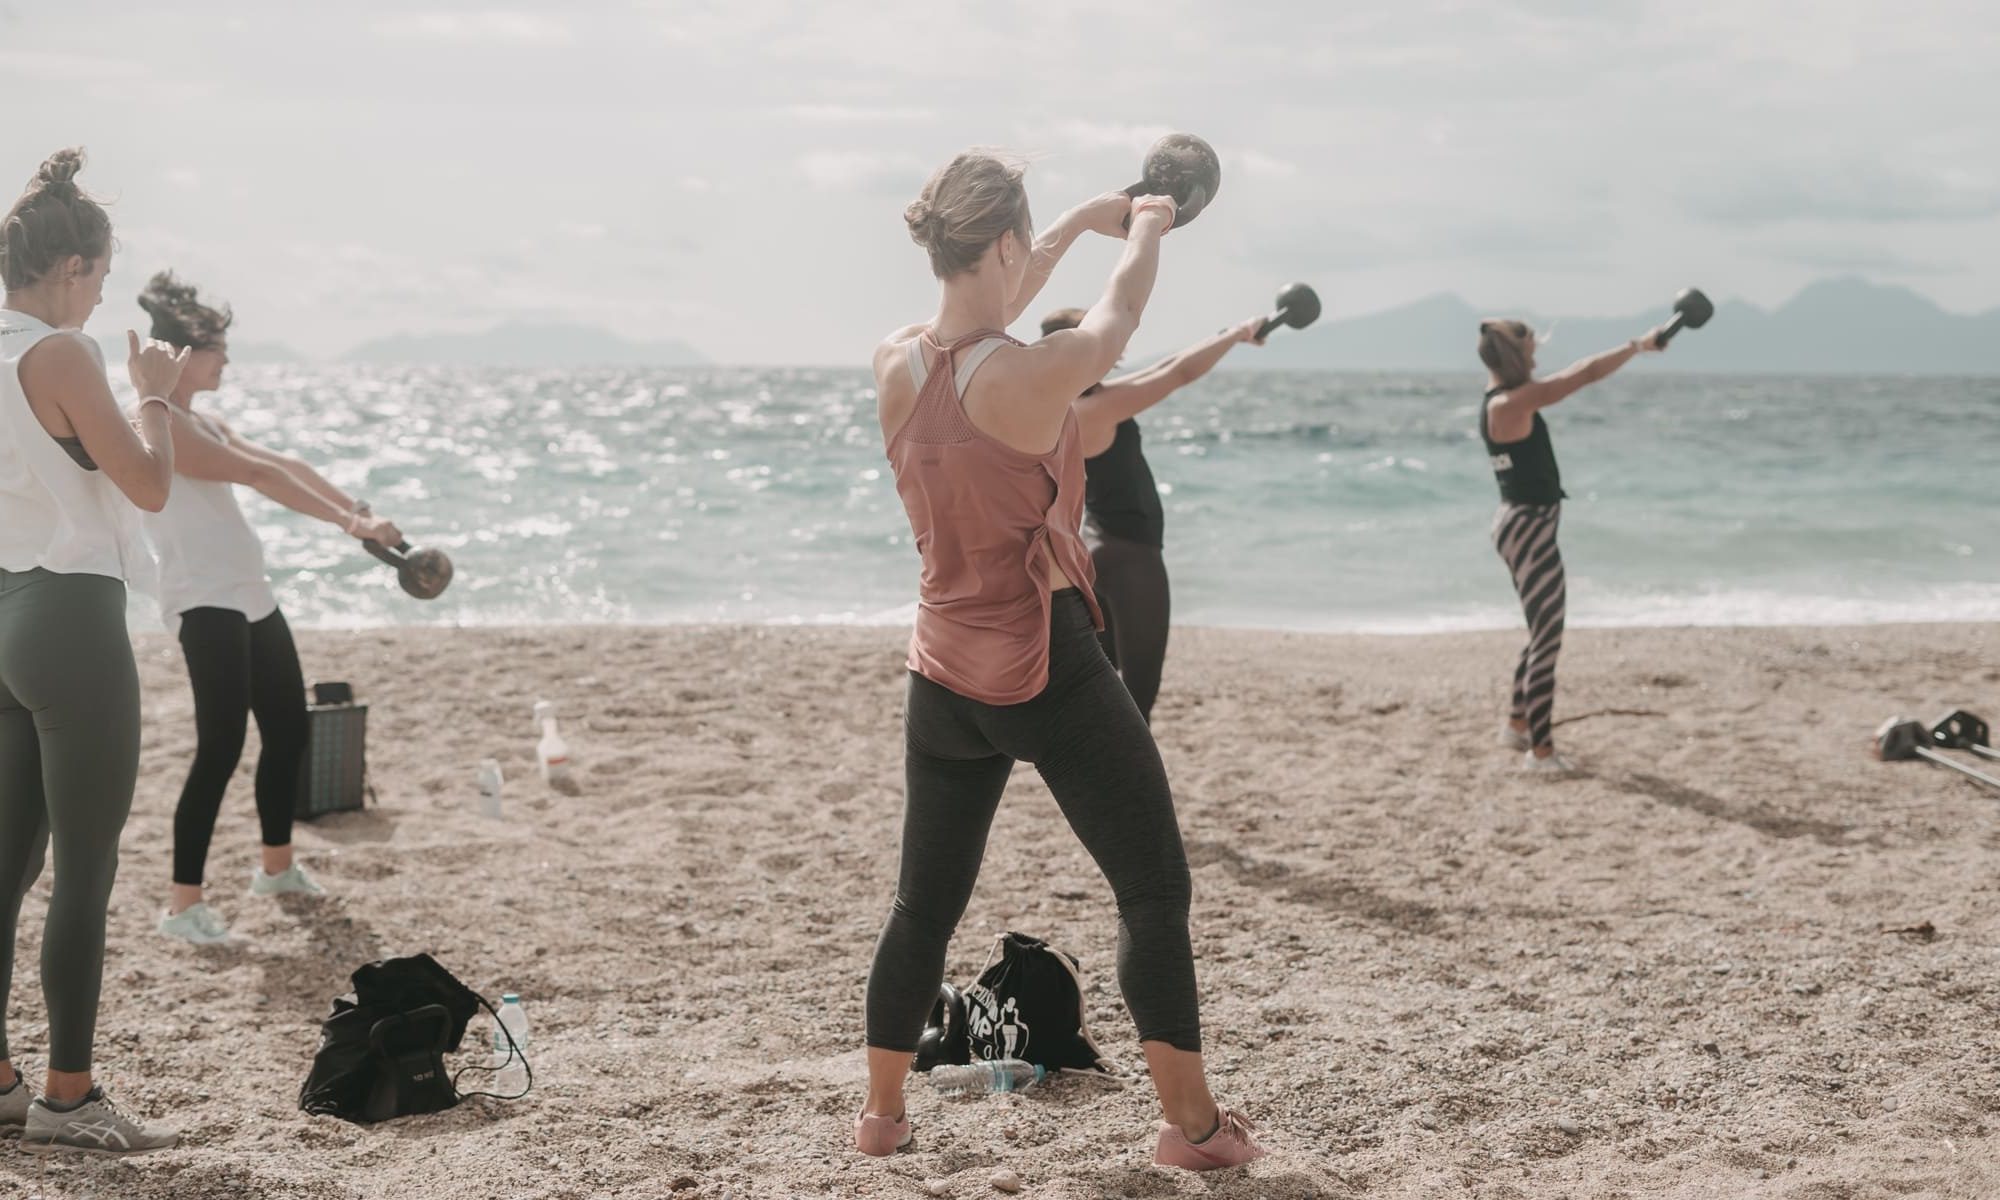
x,y
209,555
55,514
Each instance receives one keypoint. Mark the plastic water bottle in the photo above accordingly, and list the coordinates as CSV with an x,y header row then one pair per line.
x,y
511,1076
490,782
993,1075
552,752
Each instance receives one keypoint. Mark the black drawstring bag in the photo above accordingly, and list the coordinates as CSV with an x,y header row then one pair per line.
x,y
381,1049
1029,1005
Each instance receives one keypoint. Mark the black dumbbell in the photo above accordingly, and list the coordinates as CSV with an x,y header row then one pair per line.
x,y
1961,730
1298,307
1183,166
1691,311
423,573
1900,739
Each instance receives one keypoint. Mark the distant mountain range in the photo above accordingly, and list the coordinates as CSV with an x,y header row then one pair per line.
x,y
524,344
1839,326
516,344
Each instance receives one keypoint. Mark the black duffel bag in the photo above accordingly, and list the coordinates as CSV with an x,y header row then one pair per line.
x,y
381,1049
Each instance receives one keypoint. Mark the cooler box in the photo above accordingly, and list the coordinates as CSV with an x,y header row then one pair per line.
x,y
334,776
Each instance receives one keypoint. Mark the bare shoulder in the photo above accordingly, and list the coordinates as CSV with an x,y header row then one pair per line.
x,y
891,351
64,357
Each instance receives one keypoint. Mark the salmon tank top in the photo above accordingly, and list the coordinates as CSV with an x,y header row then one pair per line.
x,y
987,519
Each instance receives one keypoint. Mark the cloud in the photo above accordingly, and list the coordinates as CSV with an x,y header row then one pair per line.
x,y
487,25
850,114
1858,192
1848,257
1260,165
861,170
56,67
1106,135
584,230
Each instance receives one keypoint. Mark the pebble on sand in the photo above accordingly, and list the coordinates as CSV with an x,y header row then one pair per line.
x,y
1005,1181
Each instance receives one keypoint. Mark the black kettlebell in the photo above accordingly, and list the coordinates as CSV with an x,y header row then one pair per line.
x,y
424,573
944,1041
1183,166
1691,311
1298,307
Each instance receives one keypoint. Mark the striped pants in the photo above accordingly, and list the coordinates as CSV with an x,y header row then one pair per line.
x,y
1525,536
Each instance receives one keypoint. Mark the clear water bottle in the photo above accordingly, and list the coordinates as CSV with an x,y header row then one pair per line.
x,y
993,1075
511,1075
490,782
551,752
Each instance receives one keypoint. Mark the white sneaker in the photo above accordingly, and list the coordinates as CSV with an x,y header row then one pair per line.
x,y
1555,765
293,880
1513,739
14,1107
93,1127
197,923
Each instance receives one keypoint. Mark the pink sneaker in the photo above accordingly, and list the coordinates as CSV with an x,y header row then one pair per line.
x,y
1233,1143
879,1137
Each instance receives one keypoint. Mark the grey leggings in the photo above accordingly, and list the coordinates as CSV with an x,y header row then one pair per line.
x,y
1132,588
69,756
1093,749
1525,536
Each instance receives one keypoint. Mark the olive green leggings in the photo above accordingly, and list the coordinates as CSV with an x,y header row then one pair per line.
x,y
69,756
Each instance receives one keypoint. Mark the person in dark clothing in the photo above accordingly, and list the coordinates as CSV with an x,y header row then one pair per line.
x,y
1124,523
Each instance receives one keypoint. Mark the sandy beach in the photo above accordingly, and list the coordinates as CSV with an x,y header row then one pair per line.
x,y
1424,975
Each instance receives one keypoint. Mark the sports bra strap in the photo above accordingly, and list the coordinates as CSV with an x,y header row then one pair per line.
x,y
983,342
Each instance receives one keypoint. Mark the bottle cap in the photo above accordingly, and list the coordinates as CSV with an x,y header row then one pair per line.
x,y
509,998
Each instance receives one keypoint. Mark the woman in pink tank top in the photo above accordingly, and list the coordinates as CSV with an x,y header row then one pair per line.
x,y
1005,664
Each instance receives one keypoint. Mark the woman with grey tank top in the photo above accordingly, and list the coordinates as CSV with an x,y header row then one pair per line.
x,y
71,469
215,595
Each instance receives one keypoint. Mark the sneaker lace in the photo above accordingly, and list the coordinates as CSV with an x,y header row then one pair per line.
x,y
1233,1123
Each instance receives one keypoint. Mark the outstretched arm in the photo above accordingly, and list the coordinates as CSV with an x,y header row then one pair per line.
x,y
297,467
1521,402
1099,413
206,455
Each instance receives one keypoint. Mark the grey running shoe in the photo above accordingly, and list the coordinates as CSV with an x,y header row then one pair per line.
x,y
197,923
293,880
93,1127
14,1107
1551,766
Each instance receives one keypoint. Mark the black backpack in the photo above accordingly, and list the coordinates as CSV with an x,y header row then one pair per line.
x,y
1028,1004
381,1049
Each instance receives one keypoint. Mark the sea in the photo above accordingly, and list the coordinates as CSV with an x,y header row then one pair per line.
x,y
1315,501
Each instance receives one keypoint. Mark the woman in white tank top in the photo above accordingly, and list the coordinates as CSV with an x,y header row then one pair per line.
x,y
71,470
215,595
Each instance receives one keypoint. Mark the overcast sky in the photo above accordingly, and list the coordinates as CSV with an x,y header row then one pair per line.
x,y
732,172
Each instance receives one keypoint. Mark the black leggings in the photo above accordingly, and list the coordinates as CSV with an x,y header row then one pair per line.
x,y
239,667
1525,536
1092,747
1132,589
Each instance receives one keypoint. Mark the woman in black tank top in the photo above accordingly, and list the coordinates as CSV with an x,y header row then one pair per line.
x,y
1524,530
1124,523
